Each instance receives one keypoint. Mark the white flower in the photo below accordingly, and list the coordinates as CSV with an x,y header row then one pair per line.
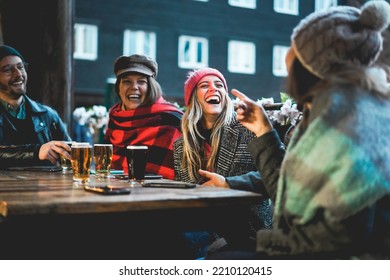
x,y
94,118
288,113
178,106
265,101
80,115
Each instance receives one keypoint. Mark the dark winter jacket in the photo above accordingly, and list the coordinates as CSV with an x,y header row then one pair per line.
x,y
46,124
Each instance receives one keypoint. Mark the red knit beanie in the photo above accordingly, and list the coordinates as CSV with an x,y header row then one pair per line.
x,y
195,76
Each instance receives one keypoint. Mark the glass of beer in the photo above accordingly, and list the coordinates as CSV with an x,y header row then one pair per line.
x,y
81,161
102,154
65,163
136,162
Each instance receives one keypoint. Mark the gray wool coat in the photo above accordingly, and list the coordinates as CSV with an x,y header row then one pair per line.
x,y
233,156
233,160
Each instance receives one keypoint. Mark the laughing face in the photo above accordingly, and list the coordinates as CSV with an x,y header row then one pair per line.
x,y
133,89
13,78
211,94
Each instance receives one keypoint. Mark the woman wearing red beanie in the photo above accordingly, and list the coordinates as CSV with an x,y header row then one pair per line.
x,y
214,141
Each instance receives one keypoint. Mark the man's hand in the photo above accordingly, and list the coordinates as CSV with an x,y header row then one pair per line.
x,y
51,151
252,115
214,179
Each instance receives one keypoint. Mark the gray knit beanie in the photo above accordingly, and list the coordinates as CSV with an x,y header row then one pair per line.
x,y
341,36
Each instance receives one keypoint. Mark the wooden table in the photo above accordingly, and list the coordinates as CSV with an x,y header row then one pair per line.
x,y
49,216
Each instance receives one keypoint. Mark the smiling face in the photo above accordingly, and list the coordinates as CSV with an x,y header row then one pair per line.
x,y
13,78
211,94
133,89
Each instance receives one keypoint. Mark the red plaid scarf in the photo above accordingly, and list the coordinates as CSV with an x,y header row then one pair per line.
x,y
156,126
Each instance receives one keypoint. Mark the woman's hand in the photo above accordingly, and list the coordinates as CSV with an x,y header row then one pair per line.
x,y
252,115
215,179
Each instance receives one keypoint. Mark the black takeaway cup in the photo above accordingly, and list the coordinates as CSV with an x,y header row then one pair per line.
x,y
136,162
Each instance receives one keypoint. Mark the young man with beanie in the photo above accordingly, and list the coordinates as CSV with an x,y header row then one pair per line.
x,y
143,116
333,188
30,133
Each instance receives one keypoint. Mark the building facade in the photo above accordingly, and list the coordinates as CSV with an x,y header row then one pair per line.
x,y
245,39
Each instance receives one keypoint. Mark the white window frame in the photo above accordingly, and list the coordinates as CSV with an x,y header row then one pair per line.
x,y
85,41
250,4
189,54
324,4
139,42
241,57
279,53
290,7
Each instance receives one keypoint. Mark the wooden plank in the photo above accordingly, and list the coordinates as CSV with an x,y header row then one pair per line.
x,y
31,193
52,215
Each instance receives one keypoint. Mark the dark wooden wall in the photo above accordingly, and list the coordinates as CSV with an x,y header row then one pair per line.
x,y
42,31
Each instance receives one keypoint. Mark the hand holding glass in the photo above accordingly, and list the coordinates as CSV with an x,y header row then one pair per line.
x,y
65,163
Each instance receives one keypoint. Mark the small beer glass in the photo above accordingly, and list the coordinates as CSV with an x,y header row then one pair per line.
x,y
102,154
65,163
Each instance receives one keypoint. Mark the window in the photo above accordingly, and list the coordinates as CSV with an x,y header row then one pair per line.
x,y
250,4
324,4
193,52
279,61
241,57
139,42
286,6
85,41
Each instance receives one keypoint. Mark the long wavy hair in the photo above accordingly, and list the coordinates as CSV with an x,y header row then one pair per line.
x,y
302,84
193,147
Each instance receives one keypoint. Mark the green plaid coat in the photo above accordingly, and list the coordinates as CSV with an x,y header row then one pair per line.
x,y
334,183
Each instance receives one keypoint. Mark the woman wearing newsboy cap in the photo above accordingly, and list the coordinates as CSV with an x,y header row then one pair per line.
x,y
142,117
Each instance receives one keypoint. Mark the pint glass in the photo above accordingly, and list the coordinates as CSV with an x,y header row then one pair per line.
x,y
136,162
81,161
102,154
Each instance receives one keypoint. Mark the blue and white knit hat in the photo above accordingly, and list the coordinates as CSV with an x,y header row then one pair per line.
x,y
341,36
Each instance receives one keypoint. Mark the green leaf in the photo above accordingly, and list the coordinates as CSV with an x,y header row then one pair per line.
x,y
284,96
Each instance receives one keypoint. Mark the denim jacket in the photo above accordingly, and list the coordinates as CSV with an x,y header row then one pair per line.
x,y
48,126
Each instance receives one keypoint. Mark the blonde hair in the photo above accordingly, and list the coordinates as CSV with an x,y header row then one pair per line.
x,y
193,147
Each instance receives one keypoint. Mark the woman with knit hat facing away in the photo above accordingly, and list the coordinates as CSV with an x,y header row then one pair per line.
x,y
214,140
142,117
333,191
